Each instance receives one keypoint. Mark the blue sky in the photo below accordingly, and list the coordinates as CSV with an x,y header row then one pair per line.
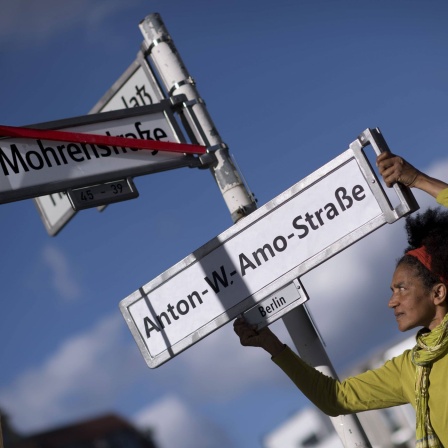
x,y
289,85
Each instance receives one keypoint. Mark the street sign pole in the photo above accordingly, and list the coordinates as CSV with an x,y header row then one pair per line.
x,y
177,80
311,349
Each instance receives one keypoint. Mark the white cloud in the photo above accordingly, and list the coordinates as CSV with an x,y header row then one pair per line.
x,y
82,377
89,372
174,424
25,22
220,360
62,276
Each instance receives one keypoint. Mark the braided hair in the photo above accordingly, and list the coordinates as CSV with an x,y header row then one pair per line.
x,y
429,229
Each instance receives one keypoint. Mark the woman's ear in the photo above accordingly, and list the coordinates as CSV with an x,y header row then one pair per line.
x,y
440,291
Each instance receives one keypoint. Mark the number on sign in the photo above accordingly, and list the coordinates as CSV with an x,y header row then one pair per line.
x,y
116,188
87,195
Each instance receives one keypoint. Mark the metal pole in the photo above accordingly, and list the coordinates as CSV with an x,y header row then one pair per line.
x,y
311,349
176,79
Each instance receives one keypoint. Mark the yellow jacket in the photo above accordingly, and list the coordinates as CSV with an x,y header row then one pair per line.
x,y
442,197
390,385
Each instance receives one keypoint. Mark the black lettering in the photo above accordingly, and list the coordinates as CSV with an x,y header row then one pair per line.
x,y
93,148
262,312
45,152
135,101
300,227
318,213
38,157
123,148
159,134
331,210
184,304
277,246
190,298
113,147
85,150
52,198
149,326
144,135
166,317
217,278
142,94
124,102
131,135
356,193
309,220
61,153
341,195
262,252
170,308
73,150
247,264
107,151
16,157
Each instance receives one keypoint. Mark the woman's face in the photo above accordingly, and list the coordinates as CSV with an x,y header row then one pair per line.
x,y
412,303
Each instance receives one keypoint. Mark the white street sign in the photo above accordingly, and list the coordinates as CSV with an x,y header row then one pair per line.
x,y
276,305
135,87
307,224
30,167
55,211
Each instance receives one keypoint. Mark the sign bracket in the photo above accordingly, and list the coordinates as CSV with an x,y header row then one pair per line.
x,y
102,194
407,201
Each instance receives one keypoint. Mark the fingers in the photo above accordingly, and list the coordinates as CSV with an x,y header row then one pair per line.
x,y
247,333
392,168
264,338
391,175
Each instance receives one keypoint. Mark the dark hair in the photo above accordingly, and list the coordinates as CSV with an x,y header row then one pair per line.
x,y
429,229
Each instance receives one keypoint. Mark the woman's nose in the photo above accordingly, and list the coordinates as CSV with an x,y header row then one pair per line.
x,y
393,302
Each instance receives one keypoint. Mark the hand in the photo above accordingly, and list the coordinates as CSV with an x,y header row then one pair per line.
x,y
395,169
250,336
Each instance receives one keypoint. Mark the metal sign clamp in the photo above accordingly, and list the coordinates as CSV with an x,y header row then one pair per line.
x,y
167,39
209,159
407,202
184,108
181,105
182,102
179,84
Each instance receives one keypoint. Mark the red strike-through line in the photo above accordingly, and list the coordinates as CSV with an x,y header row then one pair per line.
x,y
76,137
